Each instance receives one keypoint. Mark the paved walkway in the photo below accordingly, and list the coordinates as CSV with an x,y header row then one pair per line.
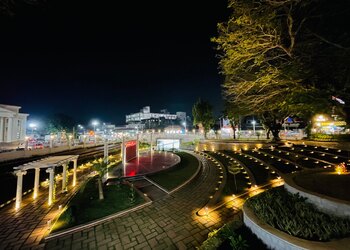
x,y
169,223
25,228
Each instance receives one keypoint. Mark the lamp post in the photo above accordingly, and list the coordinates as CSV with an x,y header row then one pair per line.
x,y
32,125
253,122
184,124
95,123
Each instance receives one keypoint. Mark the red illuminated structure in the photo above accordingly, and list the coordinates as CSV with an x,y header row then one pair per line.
x,y
130,150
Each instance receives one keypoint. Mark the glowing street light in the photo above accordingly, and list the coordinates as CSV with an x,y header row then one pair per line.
x,y
184,124
94,123
253,122
32,125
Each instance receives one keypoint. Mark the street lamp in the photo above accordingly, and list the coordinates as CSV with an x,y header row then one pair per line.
x,y
184,124
253,122
32,125
95,123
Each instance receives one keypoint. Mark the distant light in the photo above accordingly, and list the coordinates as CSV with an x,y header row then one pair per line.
x,y
32,125
94,122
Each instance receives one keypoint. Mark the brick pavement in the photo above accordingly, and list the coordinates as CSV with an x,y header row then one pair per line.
x,y
25,228
168,223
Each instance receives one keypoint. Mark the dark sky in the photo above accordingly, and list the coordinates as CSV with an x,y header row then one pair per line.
x,y
105,59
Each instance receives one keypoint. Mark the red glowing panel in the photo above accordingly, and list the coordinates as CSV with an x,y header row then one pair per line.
x,y
130,150
130,144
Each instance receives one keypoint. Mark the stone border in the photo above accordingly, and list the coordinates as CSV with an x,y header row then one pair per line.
x,y
322,202
214,199
276,239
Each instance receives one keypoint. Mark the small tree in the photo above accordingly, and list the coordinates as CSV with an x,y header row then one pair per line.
x,y
101,167
202,113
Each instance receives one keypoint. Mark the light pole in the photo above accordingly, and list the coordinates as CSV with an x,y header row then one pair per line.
x,y
184,124
32,125
253,122
94,123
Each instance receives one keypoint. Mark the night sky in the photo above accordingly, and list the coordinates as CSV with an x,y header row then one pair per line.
x,y
92,59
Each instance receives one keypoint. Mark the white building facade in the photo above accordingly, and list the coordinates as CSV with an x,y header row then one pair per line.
x,y
12,124
145,114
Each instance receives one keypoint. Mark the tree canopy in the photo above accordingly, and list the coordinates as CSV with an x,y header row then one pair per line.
x,y
202,113
277,61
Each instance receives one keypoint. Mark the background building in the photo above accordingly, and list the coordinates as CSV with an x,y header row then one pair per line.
x,y
145,119
12,124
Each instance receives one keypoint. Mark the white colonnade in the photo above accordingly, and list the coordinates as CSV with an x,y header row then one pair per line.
x,y
49,163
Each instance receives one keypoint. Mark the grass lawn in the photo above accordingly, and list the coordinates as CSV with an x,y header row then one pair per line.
x,y
175,176
327,183
260,173
232,181
85,205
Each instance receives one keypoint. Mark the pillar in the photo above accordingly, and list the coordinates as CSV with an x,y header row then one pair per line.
x,y
64,178
75,162
105,151
36,182
123,152
137,146
19,174
51,172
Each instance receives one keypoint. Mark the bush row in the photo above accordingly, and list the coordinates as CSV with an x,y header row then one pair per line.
x,y
292,214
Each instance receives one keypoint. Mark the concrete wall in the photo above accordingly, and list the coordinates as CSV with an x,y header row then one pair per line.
x,y
322,202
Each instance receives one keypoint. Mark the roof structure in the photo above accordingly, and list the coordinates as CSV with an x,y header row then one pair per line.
x,y
51,161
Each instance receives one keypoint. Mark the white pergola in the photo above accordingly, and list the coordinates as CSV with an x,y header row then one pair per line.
x,y
49,164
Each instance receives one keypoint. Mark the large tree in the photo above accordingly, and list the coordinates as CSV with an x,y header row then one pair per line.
x,y
265,57
60,122
203,117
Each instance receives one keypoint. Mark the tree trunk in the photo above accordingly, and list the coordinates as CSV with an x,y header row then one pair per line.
x,y
268,133
275,134
100,190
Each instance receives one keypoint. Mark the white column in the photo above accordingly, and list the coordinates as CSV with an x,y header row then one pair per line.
x,y
1,129
51,172
123,152
105,151
137,146
64,177
9,130
36,182
19,174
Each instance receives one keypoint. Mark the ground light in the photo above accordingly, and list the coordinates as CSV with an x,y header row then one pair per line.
x,y
341,168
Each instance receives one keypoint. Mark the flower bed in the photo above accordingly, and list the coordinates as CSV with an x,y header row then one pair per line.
x,y
292,214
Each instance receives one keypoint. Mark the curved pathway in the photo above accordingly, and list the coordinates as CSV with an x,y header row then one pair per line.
x,y
169,223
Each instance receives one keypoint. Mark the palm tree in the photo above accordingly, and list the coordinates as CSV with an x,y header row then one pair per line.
x,y
101,167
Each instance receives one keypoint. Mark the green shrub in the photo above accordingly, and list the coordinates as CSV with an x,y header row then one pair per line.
x,y
237,242
292,214
218,236
326,137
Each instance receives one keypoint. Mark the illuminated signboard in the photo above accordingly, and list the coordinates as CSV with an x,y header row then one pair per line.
x,y
130,150
168,144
